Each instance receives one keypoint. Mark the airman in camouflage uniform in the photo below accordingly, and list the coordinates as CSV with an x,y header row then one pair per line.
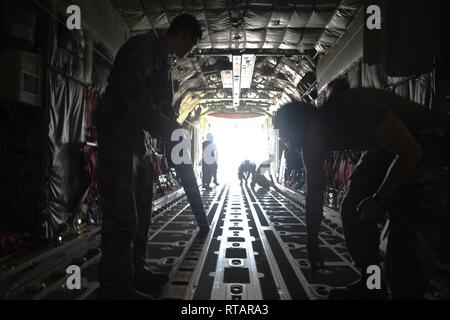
x,y
138,98
404,172
418,218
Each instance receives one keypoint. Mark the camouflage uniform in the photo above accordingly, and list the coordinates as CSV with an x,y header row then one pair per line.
x,y
363,239
417,211
186,174
418,214
139,88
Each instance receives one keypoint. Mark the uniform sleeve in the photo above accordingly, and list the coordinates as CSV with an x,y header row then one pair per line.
x,y
135,63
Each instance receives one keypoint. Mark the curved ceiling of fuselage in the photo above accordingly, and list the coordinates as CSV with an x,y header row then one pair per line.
x,y
287,38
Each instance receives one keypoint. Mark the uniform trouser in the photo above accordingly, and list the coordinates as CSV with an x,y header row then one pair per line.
x,y
262,181
417,212
125,177
189,181
214,173
363,239
207,171
412,253
418,215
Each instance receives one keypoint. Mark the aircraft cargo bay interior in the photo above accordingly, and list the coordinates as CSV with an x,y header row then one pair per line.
x,y
224,150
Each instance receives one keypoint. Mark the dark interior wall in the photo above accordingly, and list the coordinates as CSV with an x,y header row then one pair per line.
x,y
401,56
19,163
406,44
78,69
47,173
102,20
419,88
22,29
442,106
69,77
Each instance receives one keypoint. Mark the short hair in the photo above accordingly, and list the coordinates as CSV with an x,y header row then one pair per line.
x,y
294,118
186,23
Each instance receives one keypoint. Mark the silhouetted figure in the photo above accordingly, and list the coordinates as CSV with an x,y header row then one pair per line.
x,y
138,98
404,169
209,162
260,178
246,169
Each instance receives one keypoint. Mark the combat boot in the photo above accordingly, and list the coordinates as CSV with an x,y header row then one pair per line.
x,y
148,281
